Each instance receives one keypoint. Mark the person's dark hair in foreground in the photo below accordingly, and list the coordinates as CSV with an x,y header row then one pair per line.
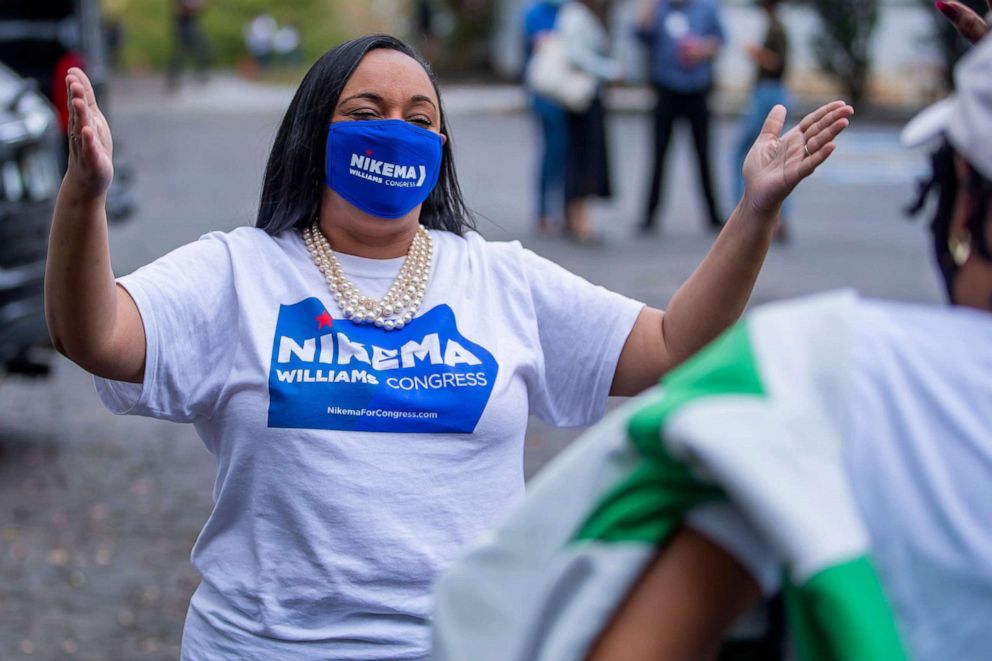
x,y
946,184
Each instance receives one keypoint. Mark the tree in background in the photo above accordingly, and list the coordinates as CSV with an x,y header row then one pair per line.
x,y
952,45
147,25
843,47
455,34
468,49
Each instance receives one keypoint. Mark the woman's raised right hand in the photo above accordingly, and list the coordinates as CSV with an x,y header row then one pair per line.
x,y
91,147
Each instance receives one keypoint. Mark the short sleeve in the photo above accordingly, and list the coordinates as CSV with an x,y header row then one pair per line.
x,y
582,329
188,307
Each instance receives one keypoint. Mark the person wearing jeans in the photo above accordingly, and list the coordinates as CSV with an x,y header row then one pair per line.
x,y
771,58
539,21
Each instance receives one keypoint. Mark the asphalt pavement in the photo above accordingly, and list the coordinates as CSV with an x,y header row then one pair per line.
x,y
98,513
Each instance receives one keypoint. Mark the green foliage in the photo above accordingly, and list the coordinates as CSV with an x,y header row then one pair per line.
x,y
468,47
148,28
843,47
147,33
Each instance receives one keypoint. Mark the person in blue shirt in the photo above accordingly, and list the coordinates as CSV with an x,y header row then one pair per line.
x,y
682,37
538,20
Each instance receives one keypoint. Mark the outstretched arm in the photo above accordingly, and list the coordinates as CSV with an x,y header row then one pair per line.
x,y
91,320
716,294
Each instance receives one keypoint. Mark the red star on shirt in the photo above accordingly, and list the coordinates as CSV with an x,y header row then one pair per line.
x,y
368,152
324,320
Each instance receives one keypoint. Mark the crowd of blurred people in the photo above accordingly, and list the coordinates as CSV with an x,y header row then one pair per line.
x,y
681,39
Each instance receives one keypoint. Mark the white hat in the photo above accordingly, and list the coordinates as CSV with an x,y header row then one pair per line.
x,y
965,117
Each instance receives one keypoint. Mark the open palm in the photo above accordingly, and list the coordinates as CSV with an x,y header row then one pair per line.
x,y
777,163
91,146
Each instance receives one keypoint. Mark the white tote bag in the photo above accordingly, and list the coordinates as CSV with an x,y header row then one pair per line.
x,y
552,75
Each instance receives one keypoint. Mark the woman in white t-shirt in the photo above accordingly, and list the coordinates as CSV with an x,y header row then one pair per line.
x,y
362,364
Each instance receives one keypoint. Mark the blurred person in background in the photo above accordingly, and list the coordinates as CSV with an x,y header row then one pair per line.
x,y
587,171
271,44
260,34
362,441
538,21
771,59
286,46
837,446
188,41
113,27
682,38
425,29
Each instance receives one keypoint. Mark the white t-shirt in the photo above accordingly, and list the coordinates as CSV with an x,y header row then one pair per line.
x,y
919,455
354,463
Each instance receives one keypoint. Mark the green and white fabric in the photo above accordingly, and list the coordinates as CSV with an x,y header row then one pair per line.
x,y
754,426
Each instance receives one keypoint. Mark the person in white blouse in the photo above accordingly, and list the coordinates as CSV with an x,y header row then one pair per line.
x,y
587,170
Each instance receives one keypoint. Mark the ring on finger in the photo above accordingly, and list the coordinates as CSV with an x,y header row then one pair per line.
x,y
806,149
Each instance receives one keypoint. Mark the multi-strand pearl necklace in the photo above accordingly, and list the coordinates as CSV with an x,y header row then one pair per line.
x,y
394,310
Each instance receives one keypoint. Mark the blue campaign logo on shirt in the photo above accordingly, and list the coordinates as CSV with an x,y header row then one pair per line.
x,y
334,374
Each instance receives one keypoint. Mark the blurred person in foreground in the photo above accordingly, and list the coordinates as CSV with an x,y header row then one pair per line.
x,y
188,41
587,170
682,37
538,21
362,363
771,59
837,447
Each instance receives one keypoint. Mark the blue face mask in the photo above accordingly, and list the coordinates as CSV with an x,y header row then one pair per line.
x,y
385,167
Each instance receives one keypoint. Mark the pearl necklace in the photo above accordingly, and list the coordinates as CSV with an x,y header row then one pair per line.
x,y
394,310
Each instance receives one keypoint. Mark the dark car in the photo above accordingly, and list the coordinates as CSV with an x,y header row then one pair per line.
x,y
41,40
30,148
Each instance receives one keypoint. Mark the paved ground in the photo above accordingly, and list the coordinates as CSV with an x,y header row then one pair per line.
x,y
98,513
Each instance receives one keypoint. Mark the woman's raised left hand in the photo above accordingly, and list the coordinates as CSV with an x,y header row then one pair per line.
x,y
777,163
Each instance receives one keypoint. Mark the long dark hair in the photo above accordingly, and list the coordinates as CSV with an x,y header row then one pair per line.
x,y
943,182
294,175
